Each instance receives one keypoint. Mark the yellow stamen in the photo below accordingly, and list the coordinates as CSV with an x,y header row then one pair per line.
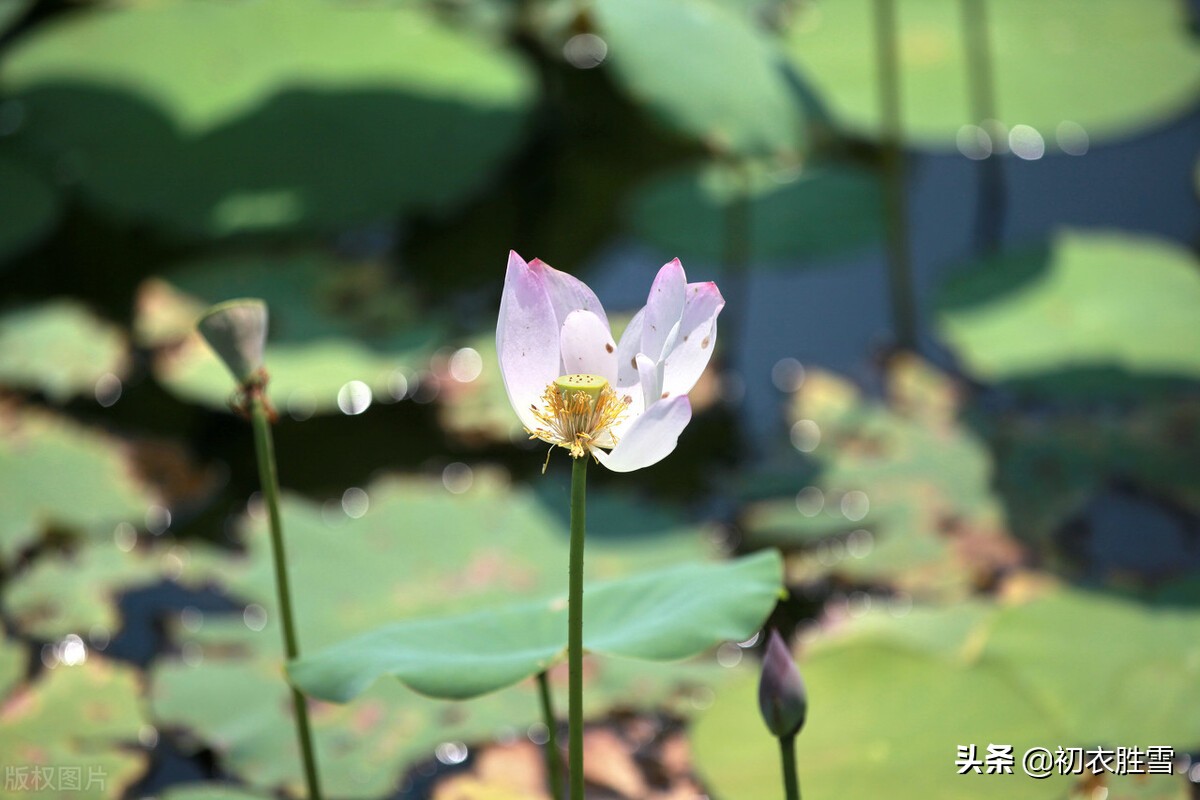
x,y
577,411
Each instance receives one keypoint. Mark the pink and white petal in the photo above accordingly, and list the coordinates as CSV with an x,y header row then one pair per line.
x,y
587,346
526,338
704,302
684,365
628,348
568,293
664,307
650,438
650,380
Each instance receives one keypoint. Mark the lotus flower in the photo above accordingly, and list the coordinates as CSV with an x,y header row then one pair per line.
x,y
572,386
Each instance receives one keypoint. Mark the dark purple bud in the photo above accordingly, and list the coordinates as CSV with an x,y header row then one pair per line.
x,y
781,694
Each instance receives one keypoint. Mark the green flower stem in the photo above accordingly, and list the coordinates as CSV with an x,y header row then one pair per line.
x,y
575,624
787,753
264,449
553,758
899,259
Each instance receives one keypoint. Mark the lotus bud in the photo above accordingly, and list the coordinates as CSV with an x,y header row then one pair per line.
x,y
237,331
782,698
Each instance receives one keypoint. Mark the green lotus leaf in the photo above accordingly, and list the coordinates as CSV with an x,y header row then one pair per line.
x,y
705,72
60,349
58,474
238,708
14,662
424,548
895,493
1107,66
72,728
415,551
663,616
346,113
1048,469
1091,313
818,212
892,698
209,791
29,205
78,592
331,323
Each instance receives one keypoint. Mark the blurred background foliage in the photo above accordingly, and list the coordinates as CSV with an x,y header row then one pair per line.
x,y
957,384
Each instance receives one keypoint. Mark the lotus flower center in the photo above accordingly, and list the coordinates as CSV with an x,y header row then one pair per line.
x,y
591,385
578,412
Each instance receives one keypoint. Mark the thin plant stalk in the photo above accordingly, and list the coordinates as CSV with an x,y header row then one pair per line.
x,y
553,758
989,223
899,258
575,626
264,448
787,755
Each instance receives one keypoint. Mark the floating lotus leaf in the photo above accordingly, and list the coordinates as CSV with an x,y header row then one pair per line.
x,y
69,733
424,549
705,72
794,215
899,494
346,113
665,615
14,661
58,348
29,205
891,699
331,323
78,592
209,791
238,707
1049,469
61,475
417,550
1090,313
1109,66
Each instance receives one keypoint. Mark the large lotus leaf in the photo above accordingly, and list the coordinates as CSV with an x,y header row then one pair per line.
x,y
58,474
78,592
898,493
1068,668
238,707
1048,469
58,348
331,323
1090,313
346,113
662,616
417,550
819,212
28,205
1107,65
209,791
14,661
705,72
420,548
69,733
